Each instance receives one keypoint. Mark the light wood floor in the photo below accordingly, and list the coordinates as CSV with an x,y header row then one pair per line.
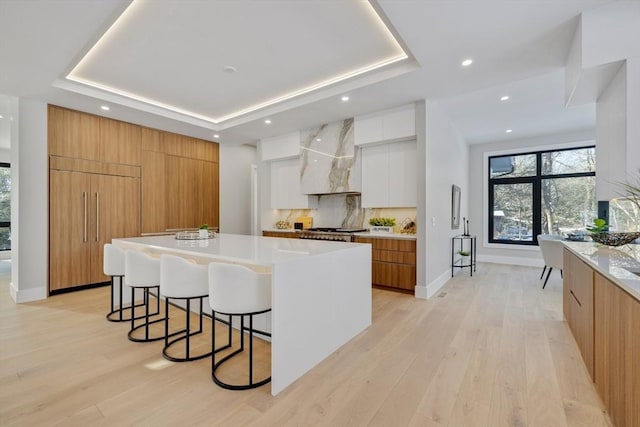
x,y
492,350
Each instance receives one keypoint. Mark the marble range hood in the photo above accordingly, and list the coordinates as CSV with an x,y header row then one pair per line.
x,y
329,162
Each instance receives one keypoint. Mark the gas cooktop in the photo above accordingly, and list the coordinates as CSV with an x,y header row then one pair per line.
x,y
335,230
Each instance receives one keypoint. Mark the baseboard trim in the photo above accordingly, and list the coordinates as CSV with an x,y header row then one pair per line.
x,y
27,295
526,262
429,291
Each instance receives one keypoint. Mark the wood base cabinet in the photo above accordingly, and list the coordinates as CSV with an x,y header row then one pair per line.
x,y
578,304
617,352
393,262
85,212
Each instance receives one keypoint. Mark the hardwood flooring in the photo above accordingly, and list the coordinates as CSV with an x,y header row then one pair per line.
x,y
492,350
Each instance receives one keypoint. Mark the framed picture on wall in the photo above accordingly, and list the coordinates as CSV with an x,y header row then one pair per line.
x,y
455,207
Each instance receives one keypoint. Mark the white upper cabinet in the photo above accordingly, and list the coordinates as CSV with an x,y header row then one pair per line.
x,y
280,147
390,125
285,186
389,175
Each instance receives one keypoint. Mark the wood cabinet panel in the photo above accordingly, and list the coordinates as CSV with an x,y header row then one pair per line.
x,y
90,166
154,219
578,281
69,240
150,140
85,212
617,352
119,142
394,275
72,133
116,213
281,234
184,146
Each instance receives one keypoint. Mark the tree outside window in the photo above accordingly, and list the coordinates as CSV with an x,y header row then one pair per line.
x,y
5,207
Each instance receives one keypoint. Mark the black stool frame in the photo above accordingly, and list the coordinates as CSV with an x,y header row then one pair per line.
x,y
215,366
111,316
146,316
187,331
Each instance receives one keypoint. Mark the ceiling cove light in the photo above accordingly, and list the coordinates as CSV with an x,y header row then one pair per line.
x,y
345,98
105,108
137,7
504,98
467,62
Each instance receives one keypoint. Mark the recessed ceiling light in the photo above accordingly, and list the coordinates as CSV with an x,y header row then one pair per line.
x,y
215,135
508,130
1,117
268,121
467,62
345,98
229,69
504,98
105,107
318,139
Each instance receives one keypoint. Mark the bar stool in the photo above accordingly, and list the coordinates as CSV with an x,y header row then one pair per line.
x,y
142,272
113,266
235,290
182,280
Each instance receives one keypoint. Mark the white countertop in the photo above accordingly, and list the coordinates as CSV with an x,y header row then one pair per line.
x,y
255,250
614,263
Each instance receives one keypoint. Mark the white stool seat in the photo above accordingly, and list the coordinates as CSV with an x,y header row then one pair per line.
x,y
551,247
142,272
236,290
182,279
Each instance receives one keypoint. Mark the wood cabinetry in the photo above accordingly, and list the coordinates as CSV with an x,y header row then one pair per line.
x,y
389,175
393,262
86,211
283,234
111,179
617,352
578,305
180,182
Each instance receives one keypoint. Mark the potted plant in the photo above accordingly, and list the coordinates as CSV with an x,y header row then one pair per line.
x,y
203,231
463,253
382,225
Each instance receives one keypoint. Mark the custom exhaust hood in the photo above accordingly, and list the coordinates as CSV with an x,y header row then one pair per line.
x,y
329,163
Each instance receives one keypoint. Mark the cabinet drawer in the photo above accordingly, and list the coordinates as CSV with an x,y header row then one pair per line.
x,y
394,275
403,245
394,256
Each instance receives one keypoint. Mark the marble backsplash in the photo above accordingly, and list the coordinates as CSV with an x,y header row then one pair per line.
x,y
340,210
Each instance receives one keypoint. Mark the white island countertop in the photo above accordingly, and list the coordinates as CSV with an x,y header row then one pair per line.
x,y
321,291
619,264
236,248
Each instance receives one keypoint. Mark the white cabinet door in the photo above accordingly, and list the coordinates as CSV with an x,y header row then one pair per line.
x,y
402,174
400,123
286,192
389,175
375,176
367,130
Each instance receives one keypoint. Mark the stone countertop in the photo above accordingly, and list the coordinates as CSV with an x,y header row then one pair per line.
x,y
617,264
252,250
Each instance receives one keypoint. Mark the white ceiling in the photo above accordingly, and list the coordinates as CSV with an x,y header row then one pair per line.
x,y
174,53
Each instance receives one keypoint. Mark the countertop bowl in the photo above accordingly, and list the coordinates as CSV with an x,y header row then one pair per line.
x,y
615,238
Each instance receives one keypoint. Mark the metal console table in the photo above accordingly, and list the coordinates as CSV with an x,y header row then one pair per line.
x,y
464,243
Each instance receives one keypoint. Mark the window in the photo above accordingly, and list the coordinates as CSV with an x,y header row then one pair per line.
x,y
5,207
544,192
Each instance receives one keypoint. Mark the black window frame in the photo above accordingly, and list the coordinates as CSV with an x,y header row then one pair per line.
x,y
6,224
536,181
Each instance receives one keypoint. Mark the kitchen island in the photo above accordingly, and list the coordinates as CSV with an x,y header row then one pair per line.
x,y
321,291
601,303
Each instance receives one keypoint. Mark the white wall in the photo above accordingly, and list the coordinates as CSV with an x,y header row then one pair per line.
x,y
611,134
235,188
633,111
29,200
478,204
446,162
5,155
